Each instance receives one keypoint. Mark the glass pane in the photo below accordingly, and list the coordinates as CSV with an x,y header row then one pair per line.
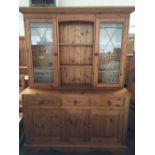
x,y
109,52
42,52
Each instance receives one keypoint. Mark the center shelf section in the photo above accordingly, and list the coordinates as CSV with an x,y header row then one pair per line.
x,y
73,44
76,65
76,75
76,54
76,86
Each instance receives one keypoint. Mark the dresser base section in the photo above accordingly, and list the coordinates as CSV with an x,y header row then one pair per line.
x,y
35,149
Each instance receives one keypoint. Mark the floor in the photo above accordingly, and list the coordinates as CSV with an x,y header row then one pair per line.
x,y
131,149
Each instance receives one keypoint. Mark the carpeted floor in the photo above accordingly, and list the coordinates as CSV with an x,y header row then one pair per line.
x,y
131,149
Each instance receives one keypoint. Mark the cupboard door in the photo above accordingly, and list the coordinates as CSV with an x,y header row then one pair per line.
x,y
105,126
45,125
42,53
76,125
110,53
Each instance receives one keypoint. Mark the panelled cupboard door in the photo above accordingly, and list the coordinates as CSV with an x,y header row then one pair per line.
x,y
45,125
105,126
111,35
42,48
76,125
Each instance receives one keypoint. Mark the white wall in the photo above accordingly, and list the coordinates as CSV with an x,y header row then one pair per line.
x,y
132,23
83,3
103,3
21,22
95,2
21,25
24,2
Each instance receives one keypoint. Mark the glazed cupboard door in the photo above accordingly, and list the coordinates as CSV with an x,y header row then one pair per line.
x,y
111,35
42,42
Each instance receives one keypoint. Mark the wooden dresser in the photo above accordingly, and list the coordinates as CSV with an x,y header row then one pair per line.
x,y
76,65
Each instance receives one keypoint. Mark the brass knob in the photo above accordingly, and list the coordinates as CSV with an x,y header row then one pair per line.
x,y
55,54
109,102
75,102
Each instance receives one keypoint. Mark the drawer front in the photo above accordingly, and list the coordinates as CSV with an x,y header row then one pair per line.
x,y
75,101
43,101
108,101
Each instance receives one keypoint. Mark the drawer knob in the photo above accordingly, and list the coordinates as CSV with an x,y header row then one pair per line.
x,y
75,102
41,102
109,102
118,99
55,54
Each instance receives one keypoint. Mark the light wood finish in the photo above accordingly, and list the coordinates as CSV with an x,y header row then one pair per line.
x,y
76,17
75,55
117,20
58,118
54,46
22,52
23,64
78,10
116,150
76,112
106,126
130,79
22,82
131,43
76,42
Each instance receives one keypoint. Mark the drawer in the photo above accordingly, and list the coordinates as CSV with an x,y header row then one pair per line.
x,y
108,101
75,101
43,101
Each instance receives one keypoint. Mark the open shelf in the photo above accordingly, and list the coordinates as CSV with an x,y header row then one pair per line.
x,y
75,44
107,71
23,67
76,65
76,54
76,86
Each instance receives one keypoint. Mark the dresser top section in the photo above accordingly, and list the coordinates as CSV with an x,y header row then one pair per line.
x,y
78,10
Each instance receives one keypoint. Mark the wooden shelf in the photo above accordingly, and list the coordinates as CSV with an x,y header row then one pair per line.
x,y
107,71
42,43
76,65
65,44
76,86
23,67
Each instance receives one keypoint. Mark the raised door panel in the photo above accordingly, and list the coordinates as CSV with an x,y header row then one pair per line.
x,y
42,47
105,126
76,125
45,125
